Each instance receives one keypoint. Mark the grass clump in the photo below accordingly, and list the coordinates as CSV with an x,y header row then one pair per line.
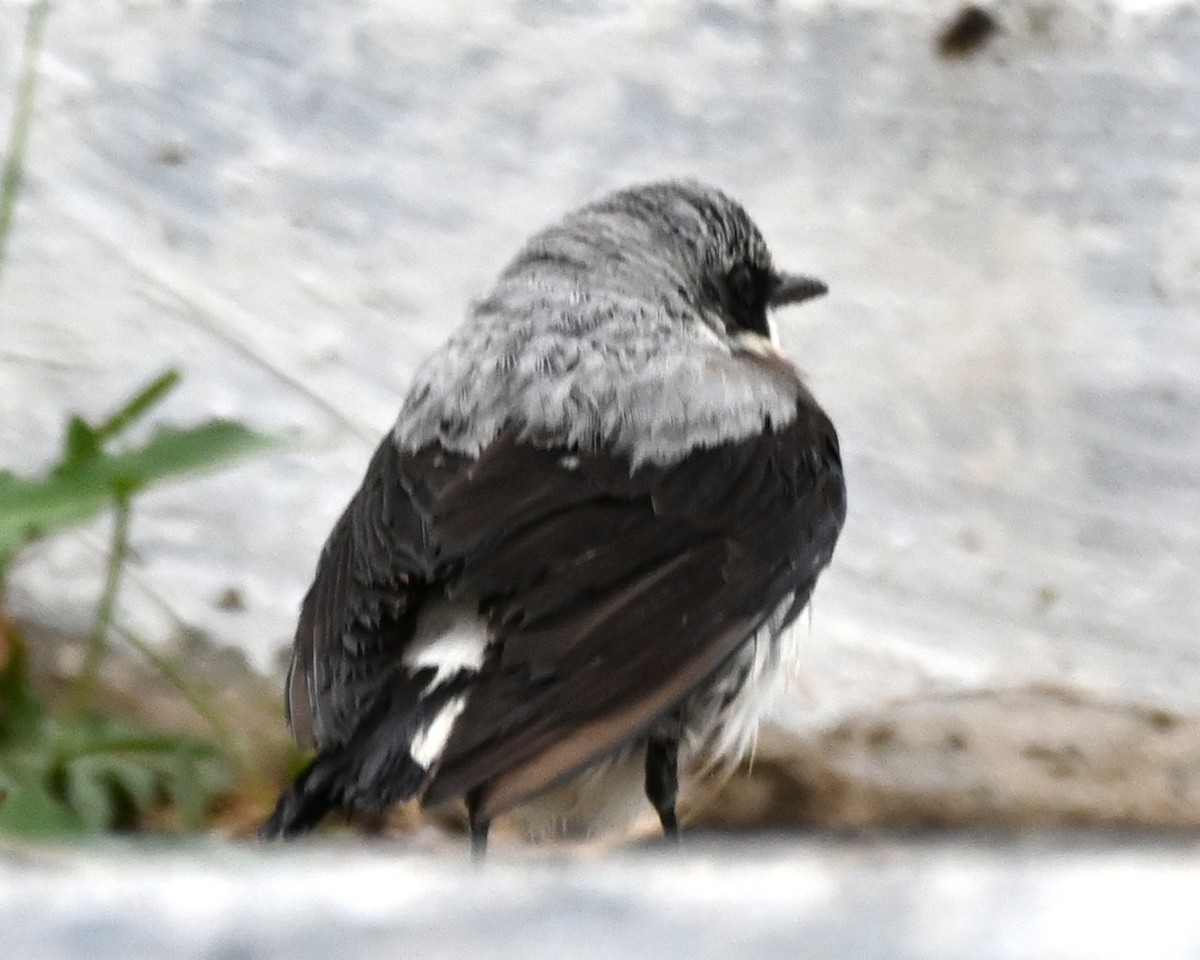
x,y
70,769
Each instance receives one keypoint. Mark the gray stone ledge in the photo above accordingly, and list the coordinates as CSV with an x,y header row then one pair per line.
x,y
966,896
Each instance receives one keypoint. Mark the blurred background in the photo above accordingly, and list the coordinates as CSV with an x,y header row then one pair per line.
x,y
292,203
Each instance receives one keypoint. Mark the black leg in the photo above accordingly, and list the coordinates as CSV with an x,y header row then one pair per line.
x,y
662,781
478,828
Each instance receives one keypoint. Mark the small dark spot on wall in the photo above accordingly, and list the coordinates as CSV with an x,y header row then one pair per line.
x,y
172,155
955,741
231,600
1058,762
1162,720
881,736
967,33
1046,598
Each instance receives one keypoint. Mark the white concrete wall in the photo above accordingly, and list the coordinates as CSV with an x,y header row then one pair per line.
x,y
293,201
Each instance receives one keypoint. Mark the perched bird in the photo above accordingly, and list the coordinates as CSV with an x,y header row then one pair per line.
x,y
605,500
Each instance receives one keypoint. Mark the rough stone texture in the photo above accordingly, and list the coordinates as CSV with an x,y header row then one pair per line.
x,y
294,200
1041,757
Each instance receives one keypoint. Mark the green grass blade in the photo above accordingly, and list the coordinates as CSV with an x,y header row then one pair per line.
x,y
145,400
18,138
31,508
173,451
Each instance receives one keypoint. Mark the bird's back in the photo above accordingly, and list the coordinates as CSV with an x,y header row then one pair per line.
x,y
596,515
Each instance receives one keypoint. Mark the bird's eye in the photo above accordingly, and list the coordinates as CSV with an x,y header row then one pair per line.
x,y
741,284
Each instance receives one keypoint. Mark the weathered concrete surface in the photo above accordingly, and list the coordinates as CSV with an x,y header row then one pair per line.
x,y
294,201
972,898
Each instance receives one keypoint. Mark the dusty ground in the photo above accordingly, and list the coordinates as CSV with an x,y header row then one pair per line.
x,y
1015,759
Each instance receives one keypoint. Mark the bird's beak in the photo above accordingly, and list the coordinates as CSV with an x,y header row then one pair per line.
x,y
794,288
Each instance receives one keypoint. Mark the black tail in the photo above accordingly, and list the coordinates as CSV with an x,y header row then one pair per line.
x,y
373,770
338,779
313,794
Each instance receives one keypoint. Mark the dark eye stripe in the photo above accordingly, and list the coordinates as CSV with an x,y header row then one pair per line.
x,y
742,285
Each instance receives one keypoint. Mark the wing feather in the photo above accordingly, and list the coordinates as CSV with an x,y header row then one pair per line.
x,y
614,592
361,609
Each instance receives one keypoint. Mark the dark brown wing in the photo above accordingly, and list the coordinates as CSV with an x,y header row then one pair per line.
x,y
615,593
362,606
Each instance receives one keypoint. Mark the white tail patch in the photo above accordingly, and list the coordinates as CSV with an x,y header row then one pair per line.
x,y
721,739
428,745
450,636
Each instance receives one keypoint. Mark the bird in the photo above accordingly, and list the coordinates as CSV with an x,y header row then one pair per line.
x,y
579,553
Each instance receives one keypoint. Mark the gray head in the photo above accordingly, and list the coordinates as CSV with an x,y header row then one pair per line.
x,y
681,244
620,327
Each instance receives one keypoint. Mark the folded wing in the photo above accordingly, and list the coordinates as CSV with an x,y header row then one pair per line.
x,y
361,609
614,592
